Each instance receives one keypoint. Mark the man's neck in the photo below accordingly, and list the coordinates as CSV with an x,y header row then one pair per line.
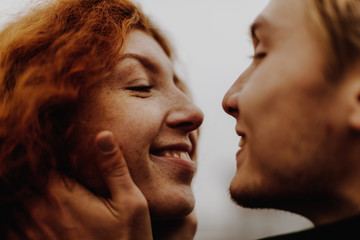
x,y
329,209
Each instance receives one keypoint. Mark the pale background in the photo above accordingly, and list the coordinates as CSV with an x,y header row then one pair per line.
x,y
213,46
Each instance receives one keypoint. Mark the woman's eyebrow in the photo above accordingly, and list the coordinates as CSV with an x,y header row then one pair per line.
x,y
146,62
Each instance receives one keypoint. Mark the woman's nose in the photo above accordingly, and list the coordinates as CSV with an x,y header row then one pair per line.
x,y
185,115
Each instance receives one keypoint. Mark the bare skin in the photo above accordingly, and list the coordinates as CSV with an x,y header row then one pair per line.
x,y
60,215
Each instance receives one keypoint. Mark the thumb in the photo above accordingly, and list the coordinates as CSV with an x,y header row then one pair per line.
x,y
112,164
127,201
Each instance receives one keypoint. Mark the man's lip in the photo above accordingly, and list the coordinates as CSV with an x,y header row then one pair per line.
x,y
238,158
242,145
239,132
241,155
242,135
242,141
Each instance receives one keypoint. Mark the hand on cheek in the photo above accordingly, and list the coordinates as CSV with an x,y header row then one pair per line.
x,y
70,211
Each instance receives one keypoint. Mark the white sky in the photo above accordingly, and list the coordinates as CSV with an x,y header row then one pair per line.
x,y
213,44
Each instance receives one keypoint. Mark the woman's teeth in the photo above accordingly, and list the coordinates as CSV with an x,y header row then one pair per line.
x,y
176,154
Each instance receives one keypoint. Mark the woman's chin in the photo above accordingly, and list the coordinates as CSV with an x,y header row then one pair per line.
x,y
172,208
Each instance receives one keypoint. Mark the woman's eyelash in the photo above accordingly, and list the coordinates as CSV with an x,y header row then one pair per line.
x,y
140,88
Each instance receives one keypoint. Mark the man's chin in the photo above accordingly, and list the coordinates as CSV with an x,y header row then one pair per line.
x,y
237,196
247,197
236,193
259,198
248,201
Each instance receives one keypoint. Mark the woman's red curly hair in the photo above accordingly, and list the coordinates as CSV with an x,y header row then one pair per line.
x,y
47,61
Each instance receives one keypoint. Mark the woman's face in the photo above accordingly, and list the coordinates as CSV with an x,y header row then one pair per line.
x,y
154,121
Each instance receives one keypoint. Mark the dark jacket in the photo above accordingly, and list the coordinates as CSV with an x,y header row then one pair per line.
x,y
345,229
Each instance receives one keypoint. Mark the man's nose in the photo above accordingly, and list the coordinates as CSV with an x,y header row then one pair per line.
x,y
230,101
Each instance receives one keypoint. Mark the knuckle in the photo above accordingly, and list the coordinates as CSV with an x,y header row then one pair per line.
x,y
135,205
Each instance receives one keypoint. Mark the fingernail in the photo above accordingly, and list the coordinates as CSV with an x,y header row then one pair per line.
x,y
105,142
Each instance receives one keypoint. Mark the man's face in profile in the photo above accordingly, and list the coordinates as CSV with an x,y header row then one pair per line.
x,y
286,114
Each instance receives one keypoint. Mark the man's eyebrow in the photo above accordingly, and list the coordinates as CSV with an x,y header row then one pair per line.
x,y
258,23
146,62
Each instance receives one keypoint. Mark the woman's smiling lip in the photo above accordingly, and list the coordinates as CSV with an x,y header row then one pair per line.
x,y
175,155
178,163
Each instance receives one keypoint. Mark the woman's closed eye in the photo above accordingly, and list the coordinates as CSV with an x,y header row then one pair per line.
x,y
142,89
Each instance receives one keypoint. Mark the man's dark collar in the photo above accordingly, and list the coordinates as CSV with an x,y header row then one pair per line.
x,y
345,229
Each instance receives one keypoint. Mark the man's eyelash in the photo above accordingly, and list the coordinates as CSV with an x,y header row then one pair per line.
x,y
258,56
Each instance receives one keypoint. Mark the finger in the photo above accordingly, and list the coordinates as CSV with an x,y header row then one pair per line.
x,y
64,193
112,164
